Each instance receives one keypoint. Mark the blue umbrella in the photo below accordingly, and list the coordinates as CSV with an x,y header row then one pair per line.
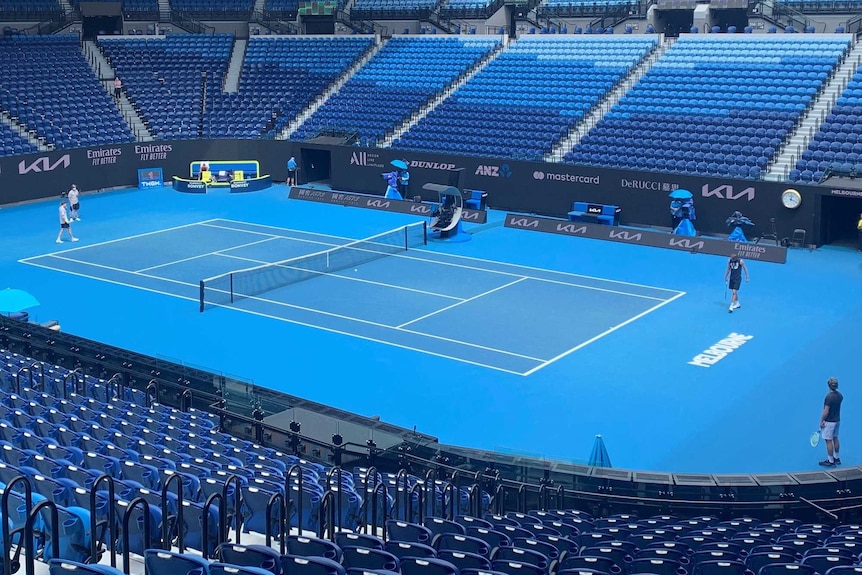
x,y
15,300
400,164
599,457
680,194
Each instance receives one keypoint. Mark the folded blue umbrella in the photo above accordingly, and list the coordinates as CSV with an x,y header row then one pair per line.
x,y
680,194
599,457
15,300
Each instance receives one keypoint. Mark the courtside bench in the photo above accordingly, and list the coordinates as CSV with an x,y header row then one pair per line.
x,y
595,213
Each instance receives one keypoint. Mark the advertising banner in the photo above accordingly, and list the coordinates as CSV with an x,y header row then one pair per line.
x,y
380,203
150,178
712,246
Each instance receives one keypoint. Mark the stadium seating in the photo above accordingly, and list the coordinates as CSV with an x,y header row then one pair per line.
x,y
580,8
36,10
822,6
470,8
735,102
837,146
529,97
64,101
133,9
396,83
392,9
12,144
214,9
281,9
280,77
164,78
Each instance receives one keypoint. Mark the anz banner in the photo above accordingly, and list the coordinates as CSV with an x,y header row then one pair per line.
x,y
712,246
379,203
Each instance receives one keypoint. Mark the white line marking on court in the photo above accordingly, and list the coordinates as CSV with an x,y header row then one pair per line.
x,y
462,266
299,307
286,320
336,275
456,256
603,334
215,253
477,296
106,242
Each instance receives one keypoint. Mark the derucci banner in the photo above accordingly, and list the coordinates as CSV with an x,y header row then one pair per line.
x,y
379,203
712,246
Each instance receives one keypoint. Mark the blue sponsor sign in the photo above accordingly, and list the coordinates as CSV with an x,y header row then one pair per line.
x,y
150,178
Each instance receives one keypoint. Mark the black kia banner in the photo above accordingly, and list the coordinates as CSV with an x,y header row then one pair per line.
x,y
712,246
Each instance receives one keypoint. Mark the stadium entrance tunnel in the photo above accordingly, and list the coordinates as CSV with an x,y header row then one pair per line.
x,y
315,165
840,216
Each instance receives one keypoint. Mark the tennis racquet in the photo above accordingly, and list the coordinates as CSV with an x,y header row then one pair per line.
x,y
725,290
814,440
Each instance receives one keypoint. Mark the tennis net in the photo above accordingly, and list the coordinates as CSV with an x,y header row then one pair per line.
x,y
232,286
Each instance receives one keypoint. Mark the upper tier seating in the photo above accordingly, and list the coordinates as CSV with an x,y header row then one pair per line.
x,y
838,145
36,10
280,76
214,9
64,101
717,105
529,97
12,144
392,9
823,6
580,8
470,8
132,9
162,76
281,9
396,83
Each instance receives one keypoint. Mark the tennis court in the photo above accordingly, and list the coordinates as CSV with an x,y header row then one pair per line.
x,y
496,315
439,337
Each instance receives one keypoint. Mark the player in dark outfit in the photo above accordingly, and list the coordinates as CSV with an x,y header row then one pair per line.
x,y
830,420
733,278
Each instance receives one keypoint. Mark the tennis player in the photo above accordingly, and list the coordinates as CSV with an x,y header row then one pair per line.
x,y
74,204
65,223
830,421
733,279
291,171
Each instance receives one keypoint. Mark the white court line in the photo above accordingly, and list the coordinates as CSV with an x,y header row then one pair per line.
x,y
603,334
299,307
360,280
215,253
286,320
483,294
456,256
472,268
25,260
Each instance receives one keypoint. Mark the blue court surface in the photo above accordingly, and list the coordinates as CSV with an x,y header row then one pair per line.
x,y
515,341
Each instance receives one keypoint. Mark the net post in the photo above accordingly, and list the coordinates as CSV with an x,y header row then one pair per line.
x,y
202,287
231,288
406,238
424,233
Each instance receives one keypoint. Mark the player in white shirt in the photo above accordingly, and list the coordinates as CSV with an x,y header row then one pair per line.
x,y
65,223
73,203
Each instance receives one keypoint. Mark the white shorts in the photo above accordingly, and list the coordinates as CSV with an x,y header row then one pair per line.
x,y
830,430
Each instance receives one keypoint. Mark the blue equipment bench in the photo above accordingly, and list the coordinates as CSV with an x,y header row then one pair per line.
x,y
595,213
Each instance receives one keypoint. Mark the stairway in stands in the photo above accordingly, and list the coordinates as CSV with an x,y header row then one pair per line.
x,y
603,107
106,74
403,128
335,87
810,124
